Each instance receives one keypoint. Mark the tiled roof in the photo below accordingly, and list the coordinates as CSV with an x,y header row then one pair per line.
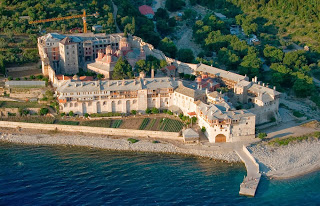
x,y
118,85
144,10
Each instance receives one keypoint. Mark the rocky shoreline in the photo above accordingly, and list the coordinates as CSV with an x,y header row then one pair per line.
x,y
120,144
284,162
280,162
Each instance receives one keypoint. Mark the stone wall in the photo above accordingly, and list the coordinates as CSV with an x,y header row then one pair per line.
x,y
94,130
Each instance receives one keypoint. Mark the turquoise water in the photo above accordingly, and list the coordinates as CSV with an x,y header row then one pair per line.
x,y
45,175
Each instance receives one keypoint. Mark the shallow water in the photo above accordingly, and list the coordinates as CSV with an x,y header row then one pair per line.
x,y
46,175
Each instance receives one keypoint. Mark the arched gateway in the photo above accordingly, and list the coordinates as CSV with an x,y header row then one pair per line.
x,y
220,138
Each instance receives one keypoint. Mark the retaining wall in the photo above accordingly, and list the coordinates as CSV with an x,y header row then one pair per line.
x,y
94,130
245,150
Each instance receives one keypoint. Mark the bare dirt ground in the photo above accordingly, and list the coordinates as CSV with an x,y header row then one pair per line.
x,y
131,123
22,74
185,40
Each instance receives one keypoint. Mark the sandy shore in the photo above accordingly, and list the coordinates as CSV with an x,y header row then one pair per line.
x,y
289,161
117,143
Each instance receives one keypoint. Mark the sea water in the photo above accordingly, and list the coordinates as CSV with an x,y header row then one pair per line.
x,y
49,175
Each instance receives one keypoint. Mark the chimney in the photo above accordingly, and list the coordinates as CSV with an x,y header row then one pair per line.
x,y
123,83
263,84
152,73
63,77
117,83
134,82
255,79
109,83
252,80
274,87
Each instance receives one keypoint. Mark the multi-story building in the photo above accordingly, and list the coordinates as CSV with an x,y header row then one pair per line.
x,y
68,50
88,47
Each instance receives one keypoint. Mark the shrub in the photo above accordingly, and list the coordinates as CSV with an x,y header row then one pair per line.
x,y
71,114
134,112
10,78
63,114
155,110
18,79
155,142
194,119
25,78
297,114
109,114
180,115
44,111
132,141
169,112
32,77
148,111
262,135
203,129
86,115
39,76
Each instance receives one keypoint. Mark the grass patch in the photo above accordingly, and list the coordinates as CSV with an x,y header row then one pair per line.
x,y
132,141
297,114
21,105
97,123
286,141
41,119
67,122
109,114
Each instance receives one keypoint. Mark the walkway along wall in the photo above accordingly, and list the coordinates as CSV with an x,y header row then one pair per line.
x,y
94,130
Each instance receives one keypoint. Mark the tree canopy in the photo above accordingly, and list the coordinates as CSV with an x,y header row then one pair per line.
x,y
122,70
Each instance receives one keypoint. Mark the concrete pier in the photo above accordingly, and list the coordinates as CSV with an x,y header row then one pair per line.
x,y
250,183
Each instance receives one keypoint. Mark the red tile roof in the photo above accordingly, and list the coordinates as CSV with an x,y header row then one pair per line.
x,y
60,77
86,78
144,10
171,67
192,114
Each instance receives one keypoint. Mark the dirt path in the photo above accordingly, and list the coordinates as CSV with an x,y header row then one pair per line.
x,y
115,11
185,40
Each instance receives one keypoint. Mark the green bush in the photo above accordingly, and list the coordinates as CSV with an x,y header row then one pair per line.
x,y
97,123
10,78
203,129
297,114
132,141
155,142
148,111
18,79
155,110
86,115
134,112
63,114
44,111
262,135
71,114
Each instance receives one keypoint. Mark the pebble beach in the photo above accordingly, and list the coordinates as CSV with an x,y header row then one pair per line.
x,y
120,144
292,160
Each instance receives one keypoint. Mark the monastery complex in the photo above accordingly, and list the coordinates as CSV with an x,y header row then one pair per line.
x,y
227,117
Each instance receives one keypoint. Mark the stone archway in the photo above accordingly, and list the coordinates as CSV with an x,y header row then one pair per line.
x,y
220,138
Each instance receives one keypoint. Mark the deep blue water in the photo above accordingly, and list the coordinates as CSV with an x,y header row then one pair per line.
x,y
45,175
